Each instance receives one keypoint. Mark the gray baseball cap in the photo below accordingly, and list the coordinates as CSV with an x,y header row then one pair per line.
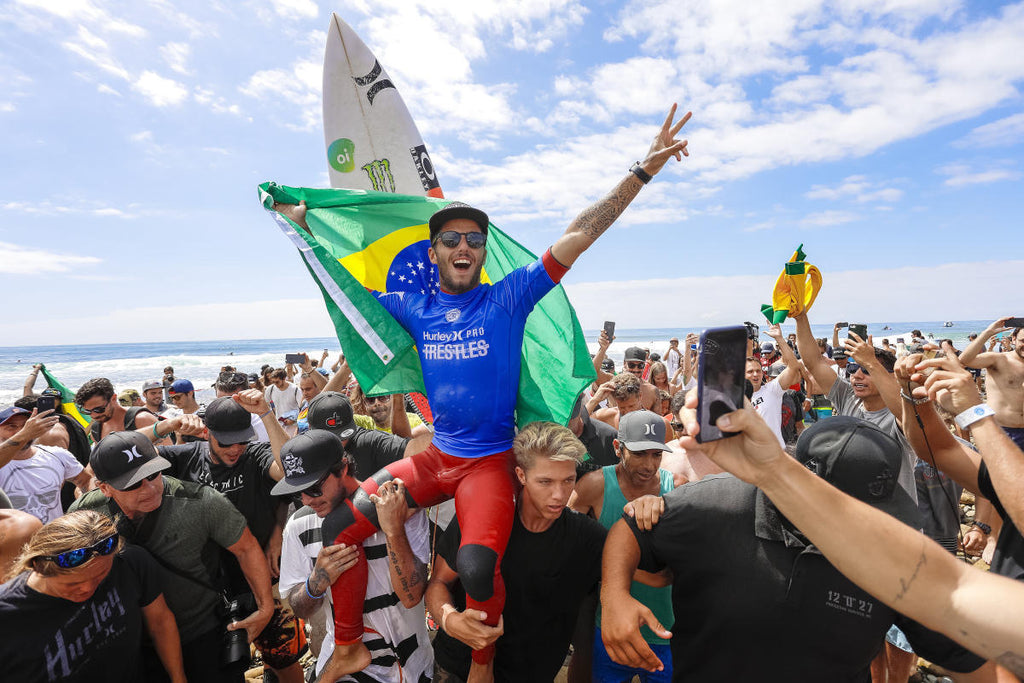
x,y
642,430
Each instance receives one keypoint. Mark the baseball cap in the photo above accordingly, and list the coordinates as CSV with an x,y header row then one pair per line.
x,y
332,411
642,430
121,459
127,397
635,353
306,458
7,413
860,459
152,384
767,347
179,386
457,210
608,365
228,422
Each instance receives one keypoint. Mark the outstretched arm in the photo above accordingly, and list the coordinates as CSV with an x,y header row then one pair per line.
x,y
811,355
594,220
899,565
791,375
974,355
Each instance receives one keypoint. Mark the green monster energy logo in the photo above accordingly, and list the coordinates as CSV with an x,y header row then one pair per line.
x,y
379,172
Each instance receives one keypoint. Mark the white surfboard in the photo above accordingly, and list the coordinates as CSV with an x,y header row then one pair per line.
x,y
372,142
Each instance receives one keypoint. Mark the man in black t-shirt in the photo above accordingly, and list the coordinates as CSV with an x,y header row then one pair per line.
x,y
753,597
552,561
372,450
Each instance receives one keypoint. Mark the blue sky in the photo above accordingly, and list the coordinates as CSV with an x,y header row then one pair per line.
x,y
885,135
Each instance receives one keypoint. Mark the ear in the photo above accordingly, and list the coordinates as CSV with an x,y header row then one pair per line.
x,y
521,474
106,489
432,255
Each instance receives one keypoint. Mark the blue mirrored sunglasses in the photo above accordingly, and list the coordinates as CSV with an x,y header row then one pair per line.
x,y
70,559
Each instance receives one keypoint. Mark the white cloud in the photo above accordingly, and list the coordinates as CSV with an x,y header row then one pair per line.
x,y
107,90
962,174
84,11
19,260
305,9
176,55
160,91
216,103
757,227
50,208
857,188
823,219
296,89
1002,133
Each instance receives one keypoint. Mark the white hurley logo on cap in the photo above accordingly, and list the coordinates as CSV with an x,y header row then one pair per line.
x,y
133,454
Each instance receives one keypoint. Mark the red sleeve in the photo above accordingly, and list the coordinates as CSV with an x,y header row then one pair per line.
x,y
556,271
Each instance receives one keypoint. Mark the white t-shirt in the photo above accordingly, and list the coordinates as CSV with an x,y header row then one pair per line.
x,y
34,484
285,400
673,357
767,401
392,621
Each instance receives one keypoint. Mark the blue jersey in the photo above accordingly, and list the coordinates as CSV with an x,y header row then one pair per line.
x,y
470,347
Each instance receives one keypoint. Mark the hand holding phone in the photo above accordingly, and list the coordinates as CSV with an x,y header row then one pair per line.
x,y
721,381
609,329
295,358
44,403
1015,322
859,330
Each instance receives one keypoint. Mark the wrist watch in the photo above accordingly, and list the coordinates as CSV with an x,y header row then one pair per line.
x,y
640,173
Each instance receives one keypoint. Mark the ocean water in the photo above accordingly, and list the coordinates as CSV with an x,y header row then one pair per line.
x,y
129,365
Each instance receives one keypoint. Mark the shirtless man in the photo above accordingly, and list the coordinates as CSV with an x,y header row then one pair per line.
x,y
1004,384
625,392
633,363
96,400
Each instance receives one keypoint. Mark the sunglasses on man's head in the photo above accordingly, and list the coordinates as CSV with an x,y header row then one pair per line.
x,y
451,239
69,559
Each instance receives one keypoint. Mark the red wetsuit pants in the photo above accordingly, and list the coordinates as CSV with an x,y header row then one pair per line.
x,y
484,491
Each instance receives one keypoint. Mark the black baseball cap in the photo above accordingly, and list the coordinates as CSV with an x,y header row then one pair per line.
x,y
457,210
306,458
121,459
332,411
635,353
228,421
860,459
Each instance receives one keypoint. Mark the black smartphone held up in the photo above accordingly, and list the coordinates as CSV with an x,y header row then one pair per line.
x,y
842,325
46,403
1015,322
609,328
296,358
721,378
859,330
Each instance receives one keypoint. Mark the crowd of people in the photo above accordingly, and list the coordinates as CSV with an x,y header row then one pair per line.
x,y
170,539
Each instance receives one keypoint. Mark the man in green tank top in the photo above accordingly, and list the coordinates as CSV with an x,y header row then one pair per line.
x,y
602,494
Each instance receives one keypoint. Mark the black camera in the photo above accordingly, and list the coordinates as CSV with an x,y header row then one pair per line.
x,y
235,647
753,332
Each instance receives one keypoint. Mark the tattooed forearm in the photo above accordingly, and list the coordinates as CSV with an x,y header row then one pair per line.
x,y
905,584
597,218
408,574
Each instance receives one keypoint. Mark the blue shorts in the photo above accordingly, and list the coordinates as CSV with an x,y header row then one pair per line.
x,y
607,671
1016,435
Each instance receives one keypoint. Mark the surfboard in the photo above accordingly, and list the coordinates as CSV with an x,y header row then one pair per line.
x,y
371,140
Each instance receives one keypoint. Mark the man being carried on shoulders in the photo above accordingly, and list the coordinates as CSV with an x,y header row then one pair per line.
x,y
472,387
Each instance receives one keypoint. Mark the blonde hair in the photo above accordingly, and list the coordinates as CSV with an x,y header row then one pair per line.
x,y
75,530
548,440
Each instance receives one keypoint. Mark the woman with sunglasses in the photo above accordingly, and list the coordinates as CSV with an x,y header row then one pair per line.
x,y
74,603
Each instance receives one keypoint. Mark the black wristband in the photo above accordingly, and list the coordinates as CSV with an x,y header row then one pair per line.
x,y
984,527
640,173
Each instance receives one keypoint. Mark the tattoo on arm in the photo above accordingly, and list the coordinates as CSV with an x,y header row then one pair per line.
x,y
595,219
905,584
320,582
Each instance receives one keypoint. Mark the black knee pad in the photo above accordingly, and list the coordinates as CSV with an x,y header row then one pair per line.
x,y
476,564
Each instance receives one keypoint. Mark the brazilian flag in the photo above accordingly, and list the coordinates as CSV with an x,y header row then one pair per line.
x,y
379,240
67,397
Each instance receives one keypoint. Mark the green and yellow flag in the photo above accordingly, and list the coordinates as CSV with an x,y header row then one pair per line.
x,y
379,241
67,397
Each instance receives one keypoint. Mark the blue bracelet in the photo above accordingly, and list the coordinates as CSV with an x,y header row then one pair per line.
x,y
310,594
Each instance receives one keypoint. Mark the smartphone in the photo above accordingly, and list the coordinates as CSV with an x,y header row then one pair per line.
x,y
46,403
859,330
609,328
296,358
721,378
842,324
899,340
1015,322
